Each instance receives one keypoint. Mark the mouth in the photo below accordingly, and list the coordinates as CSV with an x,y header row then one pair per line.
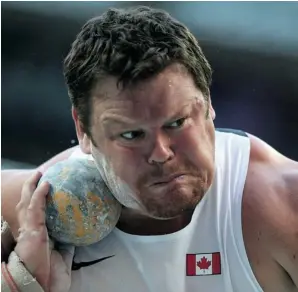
x,y
166,180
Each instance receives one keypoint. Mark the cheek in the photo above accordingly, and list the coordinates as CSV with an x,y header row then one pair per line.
x,y
188,146
195,146
126,162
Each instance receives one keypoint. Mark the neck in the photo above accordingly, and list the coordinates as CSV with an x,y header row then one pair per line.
x,y
139,224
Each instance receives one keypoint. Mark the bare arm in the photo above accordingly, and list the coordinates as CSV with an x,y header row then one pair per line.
x,y
270,218
12,182
286,237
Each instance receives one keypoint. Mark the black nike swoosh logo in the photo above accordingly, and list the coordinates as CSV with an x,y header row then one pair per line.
x,y
76,266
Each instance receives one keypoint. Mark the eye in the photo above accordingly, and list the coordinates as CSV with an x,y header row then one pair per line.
x,y
132,135
176,124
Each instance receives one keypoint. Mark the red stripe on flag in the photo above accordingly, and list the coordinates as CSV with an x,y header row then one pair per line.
x,y
190,265
216,266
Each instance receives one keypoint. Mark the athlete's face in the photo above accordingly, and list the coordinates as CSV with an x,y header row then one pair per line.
x,y
154,142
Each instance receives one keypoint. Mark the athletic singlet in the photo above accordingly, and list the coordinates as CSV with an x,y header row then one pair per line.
x,y
207,255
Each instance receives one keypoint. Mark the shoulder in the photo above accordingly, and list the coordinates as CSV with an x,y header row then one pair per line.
x,y
270,206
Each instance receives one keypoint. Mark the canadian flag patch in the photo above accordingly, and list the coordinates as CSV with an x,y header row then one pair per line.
x,y
203,264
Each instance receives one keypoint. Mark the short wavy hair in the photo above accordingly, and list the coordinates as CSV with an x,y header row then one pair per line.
x,y
132,45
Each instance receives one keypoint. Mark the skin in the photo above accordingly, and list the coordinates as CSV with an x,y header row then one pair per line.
x,y
165,146
270,218
143,146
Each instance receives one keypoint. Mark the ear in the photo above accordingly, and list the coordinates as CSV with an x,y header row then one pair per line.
x,y
84,140
211,111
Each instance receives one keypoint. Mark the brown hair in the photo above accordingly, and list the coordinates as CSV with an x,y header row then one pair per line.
x,y
132,45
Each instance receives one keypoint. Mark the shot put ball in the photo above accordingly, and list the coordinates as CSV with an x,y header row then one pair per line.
x,y
80,209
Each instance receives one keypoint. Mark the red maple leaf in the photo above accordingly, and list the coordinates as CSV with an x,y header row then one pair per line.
x,y
204,264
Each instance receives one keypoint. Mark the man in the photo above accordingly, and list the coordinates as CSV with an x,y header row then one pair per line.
x,y
203,209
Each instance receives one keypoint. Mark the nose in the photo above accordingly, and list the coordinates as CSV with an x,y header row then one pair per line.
x,y
161,151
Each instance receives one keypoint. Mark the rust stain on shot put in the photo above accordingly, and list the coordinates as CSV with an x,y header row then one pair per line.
x,y
97,204
64,201
95,199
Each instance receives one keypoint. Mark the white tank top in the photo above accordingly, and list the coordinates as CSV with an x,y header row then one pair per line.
x,y
207,255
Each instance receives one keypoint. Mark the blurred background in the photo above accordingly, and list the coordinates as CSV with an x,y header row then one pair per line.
x,y
252,47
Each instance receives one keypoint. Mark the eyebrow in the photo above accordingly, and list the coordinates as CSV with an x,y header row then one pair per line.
x,y
122,120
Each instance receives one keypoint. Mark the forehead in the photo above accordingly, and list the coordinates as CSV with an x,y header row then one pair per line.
x,y
151,100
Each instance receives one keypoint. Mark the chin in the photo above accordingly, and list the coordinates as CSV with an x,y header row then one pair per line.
x,y
168,214
174,204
